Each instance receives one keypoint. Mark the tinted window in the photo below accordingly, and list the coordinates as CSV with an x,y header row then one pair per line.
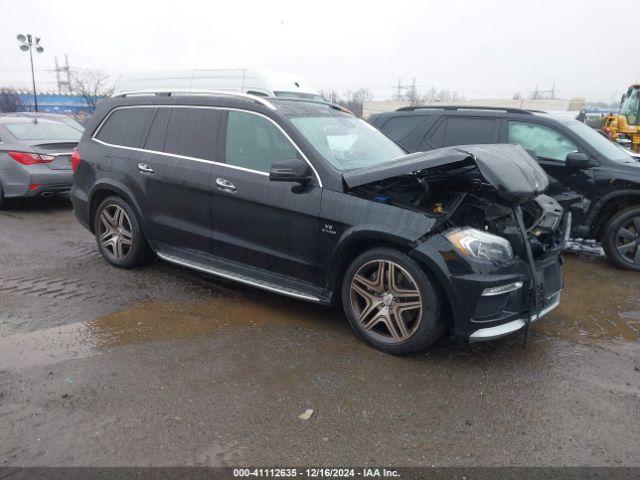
x,y
463,131
399,127
546,142
155,138
254,142
469,131
43,130
127,127
193,132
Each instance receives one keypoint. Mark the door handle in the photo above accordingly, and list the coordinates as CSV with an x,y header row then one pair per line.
x,y
225,185
144,168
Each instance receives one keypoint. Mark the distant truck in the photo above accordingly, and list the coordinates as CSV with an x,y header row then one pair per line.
x,y
262,83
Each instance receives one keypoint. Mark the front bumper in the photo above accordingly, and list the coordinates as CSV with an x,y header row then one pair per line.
x,y
491,333
490,300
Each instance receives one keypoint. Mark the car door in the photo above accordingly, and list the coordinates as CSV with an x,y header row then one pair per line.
x,y
271,226
174,175
569,186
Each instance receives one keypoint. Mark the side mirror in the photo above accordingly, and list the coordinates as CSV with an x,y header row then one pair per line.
x,y
292,170
578,160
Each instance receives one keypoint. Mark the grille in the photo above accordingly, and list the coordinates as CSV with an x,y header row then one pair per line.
x,y
491,306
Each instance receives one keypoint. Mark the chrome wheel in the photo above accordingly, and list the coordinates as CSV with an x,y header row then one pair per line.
x,y
628,241
114,231
386,301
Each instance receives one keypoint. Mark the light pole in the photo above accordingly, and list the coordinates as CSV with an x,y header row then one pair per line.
x,y
27,43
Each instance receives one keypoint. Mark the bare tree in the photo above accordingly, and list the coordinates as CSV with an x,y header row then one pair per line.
x,y
10,101
413,96
354,100
330,95
91,85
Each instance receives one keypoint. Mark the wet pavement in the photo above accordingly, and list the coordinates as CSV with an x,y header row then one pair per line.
x,y
162,366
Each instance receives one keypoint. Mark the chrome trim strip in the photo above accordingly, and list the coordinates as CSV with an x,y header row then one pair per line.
x,y
491,333
97,130
187,91
228,276
508,287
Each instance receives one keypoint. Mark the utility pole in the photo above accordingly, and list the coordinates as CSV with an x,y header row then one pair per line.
x,y
64,83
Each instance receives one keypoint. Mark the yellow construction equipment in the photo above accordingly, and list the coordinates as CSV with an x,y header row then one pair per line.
x,y
624,127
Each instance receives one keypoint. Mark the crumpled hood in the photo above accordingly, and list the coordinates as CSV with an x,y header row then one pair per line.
x,y
514,174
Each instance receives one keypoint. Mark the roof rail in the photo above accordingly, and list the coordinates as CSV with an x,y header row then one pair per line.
x,y
463,107
180,92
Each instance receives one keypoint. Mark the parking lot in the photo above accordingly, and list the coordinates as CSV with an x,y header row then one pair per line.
x,y
162,366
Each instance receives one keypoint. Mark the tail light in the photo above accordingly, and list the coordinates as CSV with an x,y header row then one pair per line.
x,y
26,158
75,159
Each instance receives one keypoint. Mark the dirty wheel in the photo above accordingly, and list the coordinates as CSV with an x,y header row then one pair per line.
x,y
621,239
391,302
118,234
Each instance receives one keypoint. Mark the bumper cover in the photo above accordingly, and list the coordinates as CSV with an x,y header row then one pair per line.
x,y
491,333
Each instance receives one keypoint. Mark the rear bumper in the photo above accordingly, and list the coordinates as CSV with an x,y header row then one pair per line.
x,y
35,181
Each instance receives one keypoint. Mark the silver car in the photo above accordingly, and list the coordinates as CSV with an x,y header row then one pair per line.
x,y
35,157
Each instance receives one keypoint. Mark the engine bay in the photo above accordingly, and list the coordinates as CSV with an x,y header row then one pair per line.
x,y
459,196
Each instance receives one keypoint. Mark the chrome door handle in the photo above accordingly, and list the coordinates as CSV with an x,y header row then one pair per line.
x,y
144,168
225,185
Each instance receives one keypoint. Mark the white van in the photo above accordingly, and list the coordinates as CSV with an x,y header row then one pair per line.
x,y
265,83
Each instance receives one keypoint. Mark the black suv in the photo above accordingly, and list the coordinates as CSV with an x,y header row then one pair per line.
x,y
591,177
304,199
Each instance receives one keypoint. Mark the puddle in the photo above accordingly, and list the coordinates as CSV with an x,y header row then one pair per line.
x,y
599,302
147,322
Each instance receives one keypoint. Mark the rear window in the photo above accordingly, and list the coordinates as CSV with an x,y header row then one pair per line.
x,y
43,131
126,127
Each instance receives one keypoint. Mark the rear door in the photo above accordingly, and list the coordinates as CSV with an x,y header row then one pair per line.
x,y
174,176
262,224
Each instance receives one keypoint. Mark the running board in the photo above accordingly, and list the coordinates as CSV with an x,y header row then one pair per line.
x,y
254,282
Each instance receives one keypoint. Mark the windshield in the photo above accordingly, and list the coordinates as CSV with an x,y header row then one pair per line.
x,y
347,142
43,131
631,106
598,141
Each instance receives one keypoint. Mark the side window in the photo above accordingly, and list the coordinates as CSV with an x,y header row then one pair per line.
x,y
254,142
546,142
193,132
126,127
155,138
399,127
469,131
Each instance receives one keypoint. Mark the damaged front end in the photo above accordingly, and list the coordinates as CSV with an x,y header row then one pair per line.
x,y
496,240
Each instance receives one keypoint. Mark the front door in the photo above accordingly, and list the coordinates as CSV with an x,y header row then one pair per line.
x,y
262,224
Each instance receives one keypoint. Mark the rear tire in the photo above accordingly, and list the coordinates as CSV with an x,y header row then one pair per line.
x,y
621,239
392,303
118,234
1,196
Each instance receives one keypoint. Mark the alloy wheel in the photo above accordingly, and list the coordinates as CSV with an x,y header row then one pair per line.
x,y
628,241
386,301
114,232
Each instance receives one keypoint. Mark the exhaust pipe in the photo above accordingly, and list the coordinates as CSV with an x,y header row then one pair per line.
x,y
46,194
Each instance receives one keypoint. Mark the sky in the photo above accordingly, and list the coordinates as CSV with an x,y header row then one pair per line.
x,y
481,48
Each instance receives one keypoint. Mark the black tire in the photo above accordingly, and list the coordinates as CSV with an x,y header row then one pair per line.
x,y
137,252
422,327
1,196
621,239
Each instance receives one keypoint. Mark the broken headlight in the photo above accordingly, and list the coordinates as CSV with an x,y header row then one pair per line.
x,y
471,242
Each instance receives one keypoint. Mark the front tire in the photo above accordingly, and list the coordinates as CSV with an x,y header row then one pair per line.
x,y
118,234
621,239
391,302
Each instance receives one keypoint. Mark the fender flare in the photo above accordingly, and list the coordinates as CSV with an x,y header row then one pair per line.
x,y
591,222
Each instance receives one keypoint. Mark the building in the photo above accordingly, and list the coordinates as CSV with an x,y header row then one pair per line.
x,y
56,103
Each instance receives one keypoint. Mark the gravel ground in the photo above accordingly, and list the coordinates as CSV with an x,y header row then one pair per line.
x,y
160,366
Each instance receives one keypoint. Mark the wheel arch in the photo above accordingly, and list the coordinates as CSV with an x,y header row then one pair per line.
x,y
608,206
108,188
